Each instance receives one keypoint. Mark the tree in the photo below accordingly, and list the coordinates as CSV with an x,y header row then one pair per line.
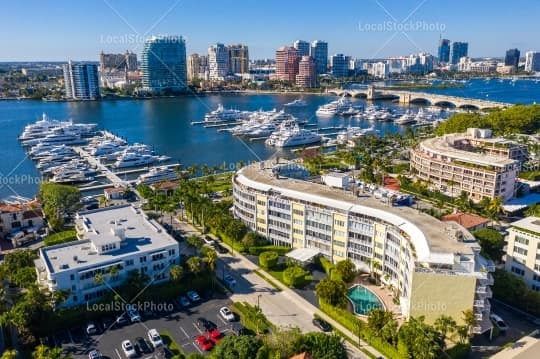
x,y
58,200
238,347
347,270
491,241
194,242
176,273
44,352
383,324
470,320
294,276
533,210
444,325
268,259
331,291
420,340
210,257
194,265
9,354
321,346
99,279
24,277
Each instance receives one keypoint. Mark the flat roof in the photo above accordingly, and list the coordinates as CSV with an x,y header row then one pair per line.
x,y
141,236
427,233
303,254
529,223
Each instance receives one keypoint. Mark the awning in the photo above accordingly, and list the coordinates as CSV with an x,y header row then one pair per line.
x,y
303,255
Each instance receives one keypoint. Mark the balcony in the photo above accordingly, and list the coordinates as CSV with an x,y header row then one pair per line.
x,y
484,292
480,303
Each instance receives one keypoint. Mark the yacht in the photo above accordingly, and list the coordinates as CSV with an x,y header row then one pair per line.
x,y
334,107
406,118
134,159
284,127
37,129
222,115
297,137
106,147
157,174
296,103
61,150
352,133
72,176
351,111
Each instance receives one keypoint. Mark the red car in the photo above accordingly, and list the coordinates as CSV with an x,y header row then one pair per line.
x,y
215,335
204,343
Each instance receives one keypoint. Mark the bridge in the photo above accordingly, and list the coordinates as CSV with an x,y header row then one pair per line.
x,y
407,97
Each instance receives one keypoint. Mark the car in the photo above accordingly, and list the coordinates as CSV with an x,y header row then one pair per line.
x,y
128,349
220,249
94,354
238,329
499,322
204,343
215,335
121,320
229,280
182,301
205,324
91,328
133,315
208,241
143,345
322,325
155,338
227,314
193,296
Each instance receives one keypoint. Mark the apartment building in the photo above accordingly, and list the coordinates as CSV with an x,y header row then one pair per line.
x,y
436,268
523,251
112,242
473,162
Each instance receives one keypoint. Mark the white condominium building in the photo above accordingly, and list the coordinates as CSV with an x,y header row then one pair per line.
x,y
473,162
436,268
112,242
523,251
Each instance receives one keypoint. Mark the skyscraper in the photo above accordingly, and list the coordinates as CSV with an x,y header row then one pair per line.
x,y
218,61
302,47
340,65
81,81
458,50
307,73
286,63
193,65
512,58
238,59
121,62
319,52
532,61
444,50
163,64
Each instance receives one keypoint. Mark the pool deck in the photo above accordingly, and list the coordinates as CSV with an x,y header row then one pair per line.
x,y
385,296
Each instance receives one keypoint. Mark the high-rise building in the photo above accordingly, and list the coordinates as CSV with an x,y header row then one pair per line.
x,y
512,58
444,51
532,61
458,50
319,52
302,47
307,73
204,72
238,59
340,65
81,81
218,61
523,251
286,63
193,65
121,62
163,64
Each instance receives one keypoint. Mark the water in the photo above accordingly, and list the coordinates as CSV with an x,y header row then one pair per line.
x,y
364,300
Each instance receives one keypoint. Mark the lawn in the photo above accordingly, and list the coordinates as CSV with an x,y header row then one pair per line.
x,y
60,237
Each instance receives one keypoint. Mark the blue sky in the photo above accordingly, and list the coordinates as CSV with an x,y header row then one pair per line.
x,y
79,30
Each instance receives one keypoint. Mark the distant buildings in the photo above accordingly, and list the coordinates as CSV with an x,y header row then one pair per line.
x,y
444,51
512,58
42,71
458,50
421,63
218,62
467,65
197,67
307,73
523,251
302,47
340,65
81,81
121,62
319,52
532,61
287,60
379,70
238,59
163,64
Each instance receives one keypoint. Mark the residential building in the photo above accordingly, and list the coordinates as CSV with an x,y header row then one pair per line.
x,y
307,73
512,58
193,67
458,50
286,63
469,221
467,65
319,52
20,216
444,51
81,81
397,65
523,251
302,47
532,61
435,268
379,70
473,162
113,241
421,63
238,59
42,71
218,62
506,70
163,64
340,65
121,62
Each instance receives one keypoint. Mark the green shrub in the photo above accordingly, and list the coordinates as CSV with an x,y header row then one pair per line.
x,y
172,345
295,276
268,260
252,318
459,351
60,237
257,250
326,265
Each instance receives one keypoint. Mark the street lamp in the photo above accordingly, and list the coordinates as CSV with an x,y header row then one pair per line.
x,y
258,301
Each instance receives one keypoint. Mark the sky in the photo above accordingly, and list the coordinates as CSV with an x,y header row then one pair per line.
x,y
57,30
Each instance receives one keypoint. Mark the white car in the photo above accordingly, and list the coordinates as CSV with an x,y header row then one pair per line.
x,y
499,322
155,338
227,314
128,349
94,354
91,328
193,296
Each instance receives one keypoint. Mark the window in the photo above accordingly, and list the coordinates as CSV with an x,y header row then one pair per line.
x,y
129,262
74,298
172,252
142,259
521,251
522,240
72,276
518,271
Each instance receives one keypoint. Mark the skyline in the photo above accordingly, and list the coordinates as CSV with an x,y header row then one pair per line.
x,y
362,30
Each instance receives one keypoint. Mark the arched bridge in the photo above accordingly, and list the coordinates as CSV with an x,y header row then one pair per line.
x,y
407,97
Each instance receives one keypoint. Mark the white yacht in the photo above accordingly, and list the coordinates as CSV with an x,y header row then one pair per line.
x,y
284,127
334,107
106,147
222,115
405,119
296,103
297,137
352,133
37,129
55,150
157,174
134,159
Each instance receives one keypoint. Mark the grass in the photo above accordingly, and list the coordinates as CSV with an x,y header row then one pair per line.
x,y
173,346
60,237
271,282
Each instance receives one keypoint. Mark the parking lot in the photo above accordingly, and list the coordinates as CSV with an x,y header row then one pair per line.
x,y
181,325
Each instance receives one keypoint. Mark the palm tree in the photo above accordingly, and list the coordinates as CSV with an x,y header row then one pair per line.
x,y
113,272
495,208
9,354
176,272
210,258
444,325
194,264
469,319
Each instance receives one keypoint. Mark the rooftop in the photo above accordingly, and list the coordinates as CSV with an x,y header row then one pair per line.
x,y
528,223
440,238
140,235
467,220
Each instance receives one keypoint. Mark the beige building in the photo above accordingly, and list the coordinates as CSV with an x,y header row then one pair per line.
x,y
473,162
19,219
523,251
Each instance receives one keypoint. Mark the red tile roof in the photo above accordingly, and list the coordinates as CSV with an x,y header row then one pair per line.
x,y
165,185
467,220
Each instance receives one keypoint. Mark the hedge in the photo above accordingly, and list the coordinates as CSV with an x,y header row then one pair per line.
x,y
172,345
326,265
252,318
268,260
295,276
257,250
60,237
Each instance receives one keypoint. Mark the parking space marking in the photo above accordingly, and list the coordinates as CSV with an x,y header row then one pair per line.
x,y
183,331
196,327
197,347
222,320
117,353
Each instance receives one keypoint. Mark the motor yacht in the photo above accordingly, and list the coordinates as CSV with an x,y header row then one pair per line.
x,y
222,115
405,119
157,174
296,103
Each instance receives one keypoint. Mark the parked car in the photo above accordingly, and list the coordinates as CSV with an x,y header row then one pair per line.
x,y
143,345
193,296
182,301
128,349
91,328
208,241
133,315
121,320
215,335
155,338
499,322
94,354
204,343
322,325
227,314
205,324
220,249
229,280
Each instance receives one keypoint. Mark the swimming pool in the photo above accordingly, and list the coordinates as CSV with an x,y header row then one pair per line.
x,y
363,300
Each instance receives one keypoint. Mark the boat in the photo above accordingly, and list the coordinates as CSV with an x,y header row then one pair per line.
x,y
334,107
297,137
405,119
134,159
107,147
55,150
223,115
157,174
352,133
284,127
37,129
296,103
